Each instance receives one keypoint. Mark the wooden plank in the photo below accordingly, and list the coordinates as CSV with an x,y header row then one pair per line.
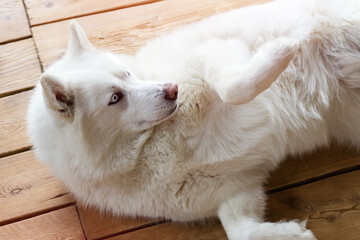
x,y
177,231
322,162
13,21
60,224
28,187
332,206
54,10
130,33
19,66
98,225
13,135
125,30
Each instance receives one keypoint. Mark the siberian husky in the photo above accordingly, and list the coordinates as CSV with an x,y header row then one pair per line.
x,y
255,84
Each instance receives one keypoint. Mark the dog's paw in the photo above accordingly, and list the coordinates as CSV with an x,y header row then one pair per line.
x,y
283,48
289,230
298,231
292,230
270,60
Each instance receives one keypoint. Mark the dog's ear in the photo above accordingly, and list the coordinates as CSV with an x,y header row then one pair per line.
x,y
58,97
78,42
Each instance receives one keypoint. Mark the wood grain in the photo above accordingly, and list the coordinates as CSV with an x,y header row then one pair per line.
x,y
19,66
177,231
98,225
125,30
13,21
294,170
60,224
13,135
43,11
332,206
28,187
311,165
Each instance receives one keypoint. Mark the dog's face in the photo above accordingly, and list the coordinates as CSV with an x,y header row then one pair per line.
x,y
97,90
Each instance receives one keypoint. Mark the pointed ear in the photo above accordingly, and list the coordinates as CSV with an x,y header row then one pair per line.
x,y
78,41
58,97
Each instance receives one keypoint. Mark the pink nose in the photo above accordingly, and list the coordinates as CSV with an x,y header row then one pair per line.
x,y
171,91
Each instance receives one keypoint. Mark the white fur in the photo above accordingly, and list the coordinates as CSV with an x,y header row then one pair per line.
x,y
255,85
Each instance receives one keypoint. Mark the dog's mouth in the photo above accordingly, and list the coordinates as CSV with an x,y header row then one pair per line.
x,y
173,110
168,115
148,124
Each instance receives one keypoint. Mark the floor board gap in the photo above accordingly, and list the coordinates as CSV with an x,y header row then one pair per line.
x,y
81,220
132,229
98,12
315,179
35,214
31,32
15,92
17,151
15,40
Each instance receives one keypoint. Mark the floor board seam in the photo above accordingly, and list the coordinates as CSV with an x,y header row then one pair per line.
x,y
315,179
16,151
32,35
133,229
13,92
81,220
35,214
15,40
97,12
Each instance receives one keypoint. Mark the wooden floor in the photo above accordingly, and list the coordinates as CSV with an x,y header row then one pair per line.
x,y
323,187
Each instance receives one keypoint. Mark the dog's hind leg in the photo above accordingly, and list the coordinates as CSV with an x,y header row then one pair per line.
x,y
237,74
241,217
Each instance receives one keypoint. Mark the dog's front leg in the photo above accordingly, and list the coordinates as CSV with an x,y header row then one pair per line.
x,y
238,74
242,219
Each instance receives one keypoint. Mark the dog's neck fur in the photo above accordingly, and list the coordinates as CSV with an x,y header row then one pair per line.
x,y
128,152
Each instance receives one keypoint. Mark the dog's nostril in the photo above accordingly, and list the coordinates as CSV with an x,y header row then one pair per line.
x,y
171,91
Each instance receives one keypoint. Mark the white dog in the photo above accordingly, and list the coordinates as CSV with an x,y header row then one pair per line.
x,y
255,85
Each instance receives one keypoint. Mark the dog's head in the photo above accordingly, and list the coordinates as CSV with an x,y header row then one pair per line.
x,y
97,88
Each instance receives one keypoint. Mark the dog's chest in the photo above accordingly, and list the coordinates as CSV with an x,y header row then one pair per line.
x,y
168,146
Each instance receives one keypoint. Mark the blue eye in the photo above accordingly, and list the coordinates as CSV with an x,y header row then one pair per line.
x,y
116,97
127,72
